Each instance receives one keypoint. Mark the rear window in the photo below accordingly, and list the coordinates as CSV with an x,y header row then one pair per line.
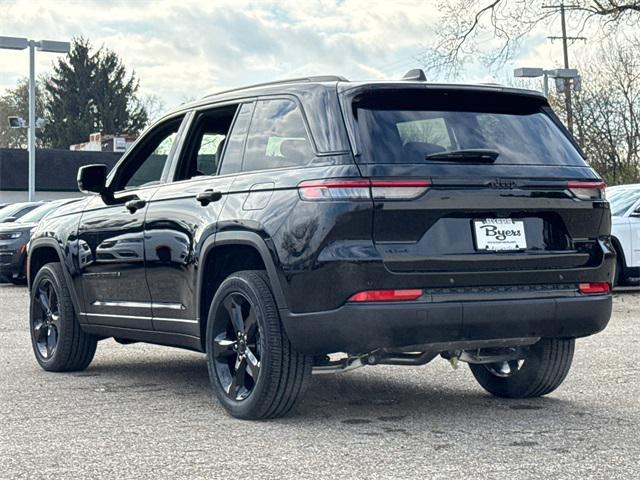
x,y
408,126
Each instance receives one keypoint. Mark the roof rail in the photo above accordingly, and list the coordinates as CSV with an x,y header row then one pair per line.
x,y
317,78
415,74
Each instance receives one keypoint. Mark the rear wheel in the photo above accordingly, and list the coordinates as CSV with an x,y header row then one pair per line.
x,y
541,372
254,370
59,343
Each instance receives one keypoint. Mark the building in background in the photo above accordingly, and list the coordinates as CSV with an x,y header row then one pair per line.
x,y
100,142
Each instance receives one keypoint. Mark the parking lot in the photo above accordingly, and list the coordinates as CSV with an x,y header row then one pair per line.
x,y
141,411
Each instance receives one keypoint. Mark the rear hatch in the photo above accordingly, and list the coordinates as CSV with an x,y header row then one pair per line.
x,y
505,188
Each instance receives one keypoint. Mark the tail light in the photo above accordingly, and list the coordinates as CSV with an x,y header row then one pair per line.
x,y
587,190
387,295
362,189
594,288
398,189
335,190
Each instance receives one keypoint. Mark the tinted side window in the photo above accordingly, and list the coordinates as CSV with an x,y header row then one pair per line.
x,y
277,137
232,161
145,164
150,171
206,143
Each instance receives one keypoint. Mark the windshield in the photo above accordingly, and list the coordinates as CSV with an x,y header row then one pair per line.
x,y
37,214
621,201
407,127
13,210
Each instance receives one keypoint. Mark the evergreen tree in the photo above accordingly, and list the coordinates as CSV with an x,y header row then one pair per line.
x,y
91,92
117,107
70,109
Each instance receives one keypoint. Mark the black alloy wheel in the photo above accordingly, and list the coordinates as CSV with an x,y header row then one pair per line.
x,y
236,346
254,370
45,322
58,341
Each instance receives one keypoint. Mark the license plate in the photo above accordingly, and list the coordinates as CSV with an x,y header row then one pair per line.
x,y
499,234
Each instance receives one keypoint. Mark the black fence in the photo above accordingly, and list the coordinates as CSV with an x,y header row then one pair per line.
x,y
56,170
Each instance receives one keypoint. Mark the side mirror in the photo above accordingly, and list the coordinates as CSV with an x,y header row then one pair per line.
x,y
92,179
636,212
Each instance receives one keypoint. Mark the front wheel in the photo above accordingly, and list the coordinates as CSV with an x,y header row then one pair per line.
x,y
254,370
541,372
58,342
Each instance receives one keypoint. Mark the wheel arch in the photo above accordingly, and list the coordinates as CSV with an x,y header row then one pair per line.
x,y
46,250
617,246
226,253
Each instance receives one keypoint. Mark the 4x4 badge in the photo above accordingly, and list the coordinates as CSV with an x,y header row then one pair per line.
x,y
501,183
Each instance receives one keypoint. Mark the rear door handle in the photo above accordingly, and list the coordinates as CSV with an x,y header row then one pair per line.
x,y
135,204
208,196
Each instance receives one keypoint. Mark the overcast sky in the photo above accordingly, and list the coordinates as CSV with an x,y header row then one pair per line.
x,y
184,49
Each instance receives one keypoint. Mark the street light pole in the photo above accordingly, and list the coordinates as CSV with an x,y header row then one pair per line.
x,y
31,143
565,75
18,43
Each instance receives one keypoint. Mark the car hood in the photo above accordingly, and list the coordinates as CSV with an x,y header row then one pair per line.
x,y
16,227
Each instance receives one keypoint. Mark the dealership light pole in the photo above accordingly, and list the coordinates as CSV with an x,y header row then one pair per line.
x,y
18,43
565,78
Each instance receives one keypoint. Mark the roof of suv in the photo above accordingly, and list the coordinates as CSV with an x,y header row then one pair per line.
x,y
294,85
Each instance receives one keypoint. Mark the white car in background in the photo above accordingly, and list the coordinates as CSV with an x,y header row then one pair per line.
x,y
625,231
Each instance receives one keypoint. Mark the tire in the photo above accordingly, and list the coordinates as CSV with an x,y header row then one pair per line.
x,y
20,277
272,389
544,369
58,342
618,278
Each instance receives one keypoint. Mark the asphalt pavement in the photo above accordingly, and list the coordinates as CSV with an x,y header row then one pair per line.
x,y
142,411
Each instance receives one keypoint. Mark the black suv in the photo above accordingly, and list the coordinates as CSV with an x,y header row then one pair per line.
x,y
321,224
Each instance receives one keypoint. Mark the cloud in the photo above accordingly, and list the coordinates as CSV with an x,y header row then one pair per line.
x,y
187,48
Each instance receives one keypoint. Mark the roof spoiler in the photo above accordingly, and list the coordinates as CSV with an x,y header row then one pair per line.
x,y
417,74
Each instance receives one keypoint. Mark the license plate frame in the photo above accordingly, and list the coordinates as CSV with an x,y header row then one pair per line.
x,y
499,235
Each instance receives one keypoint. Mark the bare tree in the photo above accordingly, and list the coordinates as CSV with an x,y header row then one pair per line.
x,y
493,30
607,111
153,105
15,102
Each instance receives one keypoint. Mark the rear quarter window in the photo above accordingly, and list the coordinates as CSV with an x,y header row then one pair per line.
x,y
277,137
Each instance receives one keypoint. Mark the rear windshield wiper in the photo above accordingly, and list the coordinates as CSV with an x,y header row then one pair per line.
x,y
476,155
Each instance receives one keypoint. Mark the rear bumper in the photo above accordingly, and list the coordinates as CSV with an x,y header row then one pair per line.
x,y
358,328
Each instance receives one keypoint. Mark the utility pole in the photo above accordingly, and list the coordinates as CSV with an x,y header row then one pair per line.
x,y
567,82
565,50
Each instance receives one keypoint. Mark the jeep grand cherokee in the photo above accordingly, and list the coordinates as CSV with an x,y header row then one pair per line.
x,y
321,224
